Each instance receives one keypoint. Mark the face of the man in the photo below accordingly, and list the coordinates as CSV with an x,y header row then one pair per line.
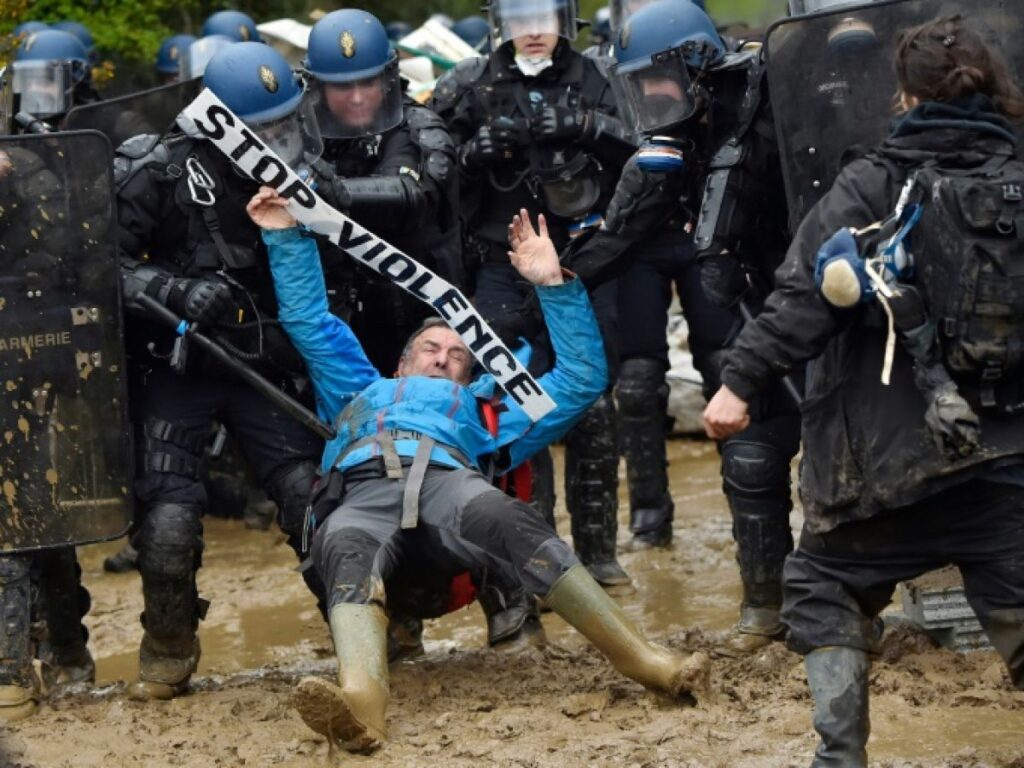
x,y
356,103
537,45
439,353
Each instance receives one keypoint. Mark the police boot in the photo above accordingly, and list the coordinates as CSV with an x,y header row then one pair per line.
x,y
124,560
838,679
65,655
513,620
581,601
353,711
170,549
405,637
756,484
592,491
643,401
19,689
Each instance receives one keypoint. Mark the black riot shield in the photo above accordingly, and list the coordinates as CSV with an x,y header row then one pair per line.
x,y
65,462
833,86
151,111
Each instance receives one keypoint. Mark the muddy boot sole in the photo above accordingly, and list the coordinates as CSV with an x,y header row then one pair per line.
x,y
692,679
322,707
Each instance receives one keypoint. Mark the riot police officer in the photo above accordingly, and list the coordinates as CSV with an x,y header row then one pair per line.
x,y
168,57
181,205
390,165
676,80
536,127
233,24
51,75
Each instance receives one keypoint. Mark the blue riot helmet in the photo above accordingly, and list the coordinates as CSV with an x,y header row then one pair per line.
x,y
27,28
510,19
256,83
172,49
396,30
47,67
656,52
197,55
353,75
234,24
623,9
475,32
78,30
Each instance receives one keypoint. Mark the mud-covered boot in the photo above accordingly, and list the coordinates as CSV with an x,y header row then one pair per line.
x,y
838,679
19,689
64,653
170,549
405,637
513,619
165,669
18,702
124,560
592,491
757,629
581,601
68,667
643,401
352,712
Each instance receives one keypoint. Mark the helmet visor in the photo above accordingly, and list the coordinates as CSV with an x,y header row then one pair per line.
x,y
356,108
193,62
519,18
653,95
295,138
623,9
45,88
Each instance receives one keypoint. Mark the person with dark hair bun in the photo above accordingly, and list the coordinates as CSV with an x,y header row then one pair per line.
x,y
923,466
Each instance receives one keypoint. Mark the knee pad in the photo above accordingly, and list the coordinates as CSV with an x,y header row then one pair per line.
x,y
641,387
754,470
290,489
170,541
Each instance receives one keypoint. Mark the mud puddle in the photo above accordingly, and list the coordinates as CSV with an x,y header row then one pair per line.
x,y
464,705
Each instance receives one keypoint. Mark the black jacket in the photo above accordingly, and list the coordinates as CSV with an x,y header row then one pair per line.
x,y
866,447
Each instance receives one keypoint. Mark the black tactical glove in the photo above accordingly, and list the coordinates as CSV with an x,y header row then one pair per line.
x,y
907,307
507,132
199,300
555,123
329,184
952,422
481,151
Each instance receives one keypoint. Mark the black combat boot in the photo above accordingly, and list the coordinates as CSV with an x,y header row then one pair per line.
x,y
592,491
513,619
643,401
170,549
838,679
19,689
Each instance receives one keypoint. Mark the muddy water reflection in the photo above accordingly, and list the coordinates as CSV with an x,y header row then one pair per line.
x,y
261,613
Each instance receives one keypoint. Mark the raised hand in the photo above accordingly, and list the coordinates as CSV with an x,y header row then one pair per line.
x,y
268,210
533,254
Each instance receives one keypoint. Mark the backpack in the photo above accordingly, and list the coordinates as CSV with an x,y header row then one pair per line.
x,y
968,255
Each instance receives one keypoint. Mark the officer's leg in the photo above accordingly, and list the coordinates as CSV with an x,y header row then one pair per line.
x,y
18,685
353,557
642,393
66,658
592,463
176,415
756,482
483,527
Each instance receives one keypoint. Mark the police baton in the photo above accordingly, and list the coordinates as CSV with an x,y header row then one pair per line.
x,y
287,404
787,381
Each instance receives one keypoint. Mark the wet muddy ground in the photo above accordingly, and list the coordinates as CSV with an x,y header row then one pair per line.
x,y
464,705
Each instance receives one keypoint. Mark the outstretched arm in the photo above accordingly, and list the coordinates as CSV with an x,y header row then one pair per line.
x,y
336,361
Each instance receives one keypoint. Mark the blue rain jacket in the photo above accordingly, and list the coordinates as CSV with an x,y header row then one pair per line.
x,y
353,395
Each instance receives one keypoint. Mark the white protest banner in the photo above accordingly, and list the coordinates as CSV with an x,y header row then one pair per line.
x,y
229,134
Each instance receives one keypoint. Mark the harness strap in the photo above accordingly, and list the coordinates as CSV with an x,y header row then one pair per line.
x,y
392,462
414,483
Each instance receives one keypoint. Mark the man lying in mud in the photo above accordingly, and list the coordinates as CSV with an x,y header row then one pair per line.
x,y
408,469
